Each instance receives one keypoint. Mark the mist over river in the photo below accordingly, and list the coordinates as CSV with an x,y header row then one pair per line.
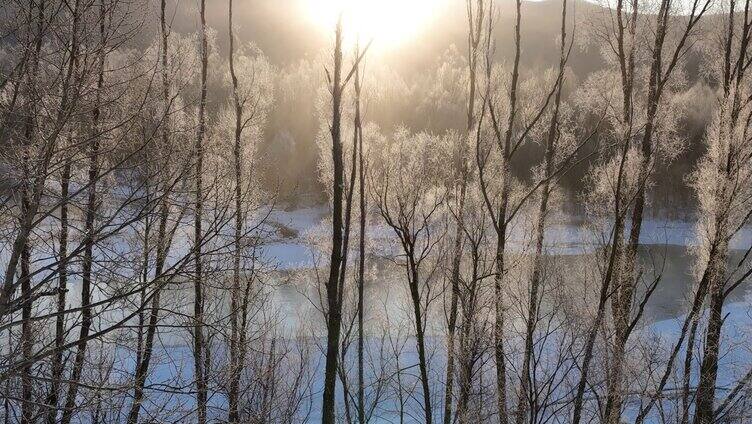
x,y
669,251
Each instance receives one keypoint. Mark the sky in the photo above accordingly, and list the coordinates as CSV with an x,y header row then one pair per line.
x,y
388,23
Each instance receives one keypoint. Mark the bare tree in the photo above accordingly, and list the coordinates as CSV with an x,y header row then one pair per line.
x,y
634,57
164,232
334,297
91,210
527,399
523,111
475,15
410,202
337,82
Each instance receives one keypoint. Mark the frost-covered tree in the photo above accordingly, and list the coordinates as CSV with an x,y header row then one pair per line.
x,y
645,46
723,184
410,198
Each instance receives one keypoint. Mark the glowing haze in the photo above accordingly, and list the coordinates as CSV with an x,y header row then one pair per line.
x,y
387,22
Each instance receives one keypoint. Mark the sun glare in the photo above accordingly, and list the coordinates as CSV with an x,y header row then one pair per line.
x,y
387,22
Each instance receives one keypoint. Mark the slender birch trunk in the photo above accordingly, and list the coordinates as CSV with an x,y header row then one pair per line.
x,y
361,250
57,366
237,336
27,340
200,353
142,367
501,227
89,236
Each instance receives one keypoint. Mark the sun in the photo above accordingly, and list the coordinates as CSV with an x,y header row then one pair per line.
x,y
387,22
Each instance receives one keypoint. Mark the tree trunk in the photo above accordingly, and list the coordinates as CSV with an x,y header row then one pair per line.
x,y
733,102
27,341
469,347
29,204
142,367
499,354
501,228
419,328
200,355
622,305
361,250
614,257
91,209
237,337
57,366
716,272
625,56
334,303
474,31
705,400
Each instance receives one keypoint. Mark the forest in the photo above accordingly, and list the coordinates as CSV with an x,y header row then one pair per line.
x,y
362,211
